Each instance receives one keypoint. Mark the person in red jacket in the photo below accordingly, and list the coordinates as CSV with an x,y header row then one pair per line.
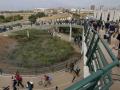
x,y
19,79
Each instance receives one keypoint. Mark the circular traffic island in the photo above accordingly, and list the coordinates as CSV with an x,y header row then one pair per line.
x,y
33,51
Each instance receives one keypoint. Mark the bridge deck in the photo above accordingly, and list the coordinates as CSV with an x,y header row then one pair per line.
x,y
116,70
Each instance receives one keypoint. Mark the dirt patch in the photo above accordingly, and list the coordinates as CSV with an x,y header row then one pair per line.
x,y
6,45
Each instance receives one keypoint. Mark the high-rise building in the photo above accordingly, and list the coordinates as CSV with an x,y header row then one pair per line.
x,y
101,7
92,7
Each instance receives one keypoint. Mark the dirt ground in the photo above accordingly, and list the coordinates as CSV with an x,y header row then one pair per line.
x,y
6,45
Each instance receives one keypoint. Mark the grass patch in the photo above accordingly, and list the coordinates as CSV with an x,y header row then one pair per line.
x,y
41,49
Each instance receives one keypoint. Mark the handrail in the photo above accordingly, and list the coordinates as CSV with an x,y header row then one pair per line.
x,y
96,75
107,48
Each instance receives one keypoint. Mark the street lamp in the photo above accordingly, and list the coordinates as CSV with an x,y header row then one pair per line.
x,y
70,35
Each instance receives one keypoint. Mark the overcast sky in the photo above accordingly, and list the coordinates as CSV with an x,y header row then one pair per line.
x,y
31,4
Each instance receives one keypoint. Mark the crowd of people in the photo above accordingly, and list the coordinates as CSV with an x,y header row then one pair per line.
x,y
111,30
45,80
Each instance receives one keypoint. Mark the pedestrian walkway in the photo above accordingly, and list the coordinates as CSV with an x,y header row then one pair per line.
x,y
116,70
61,79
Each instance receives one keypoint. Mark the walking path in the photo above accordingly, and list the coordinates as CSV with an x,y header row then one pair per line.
x,y
116,70
61,79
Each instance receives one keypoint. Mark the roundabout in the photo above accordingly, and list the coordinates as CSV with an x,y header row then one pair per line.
x,y
57,76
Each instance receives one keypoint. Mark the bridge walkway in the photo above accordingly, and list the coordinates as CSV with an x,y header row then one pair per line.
x,y
115,70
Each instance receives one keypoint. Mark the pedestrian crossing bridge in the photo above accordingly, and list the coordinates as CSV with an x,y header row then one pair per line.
x,y
98,61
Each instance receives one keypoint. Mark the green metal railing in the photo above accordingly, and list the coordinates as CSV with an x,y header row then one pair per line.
x,y
100,61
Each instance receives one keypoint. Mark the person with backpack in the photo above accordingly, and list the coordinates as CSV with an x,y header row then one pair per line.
x,y
19,79
14,85
30,85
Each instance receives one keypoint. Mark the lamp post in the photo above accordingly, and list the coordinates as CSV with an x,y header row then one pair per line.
x,y
28,35
70,35
70,38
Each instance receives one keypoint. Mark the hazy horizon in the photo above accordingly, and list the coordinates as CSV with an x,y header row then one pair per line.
x,y
31,4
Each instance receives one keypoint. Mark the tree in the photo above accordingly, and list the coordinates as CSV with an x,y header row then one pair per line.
x,y
40,14
2,18
17,17
32,18
9,19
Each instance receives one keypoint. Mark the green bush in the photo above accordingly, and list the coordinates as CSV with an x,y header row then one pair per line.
x,y
10,18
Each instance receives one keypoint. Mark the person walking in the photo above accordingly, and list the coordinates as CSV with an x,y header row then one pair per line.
x,y
77,71
19,79
14,85
111,31
74,76
107,24
71,67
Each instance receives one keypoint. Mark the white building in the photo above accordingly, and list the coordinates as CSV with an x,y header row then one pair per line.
x,y
36,10
114,14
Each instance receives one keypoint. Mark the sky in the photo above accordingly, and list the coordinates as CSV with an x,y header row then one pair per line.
x,y
31,4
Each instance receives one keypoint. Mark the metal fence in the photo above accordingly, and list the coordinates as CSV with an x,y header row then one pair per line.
x,y
100,61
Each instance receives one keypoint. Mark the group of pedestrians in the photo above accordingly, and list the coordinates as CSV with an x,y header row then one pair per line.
x,y
111,29
113,32
17,81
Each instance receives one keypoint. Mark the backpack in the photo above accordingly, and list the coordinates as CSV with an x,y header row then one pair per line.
x,y
32,85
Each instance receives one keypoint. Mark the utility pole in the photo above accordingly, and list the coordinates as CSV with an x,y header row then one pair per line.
x,y
70,37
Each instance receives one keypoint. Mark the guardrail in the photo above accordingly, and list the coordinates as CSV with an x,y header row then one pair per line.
x,y
100,61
